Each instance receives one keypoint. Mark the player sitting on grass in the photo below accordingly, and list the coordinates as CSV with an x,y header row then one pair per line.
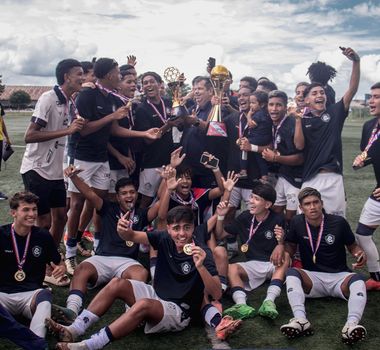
x,y
322,239
261,232
185,272
114,257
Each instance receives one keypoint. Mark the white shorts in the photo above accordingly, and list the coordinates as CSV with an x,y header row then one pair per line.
x,y
258,272
96,175
150,180
115,176
272,179
173,320
287,194
370,215
109,267
331,187
19,303
326,284
240,194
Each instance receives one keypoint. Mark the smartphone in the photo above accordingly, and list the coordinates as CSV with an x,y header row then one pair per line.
x,y
211,62
205,159
342,48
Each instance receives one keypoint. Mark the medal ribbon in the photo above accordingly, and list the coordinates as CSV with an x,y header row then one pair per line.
x,y
252,230
374,136
314,250
131,216
21,263
68,100
241,129
191,201
276,130
162,117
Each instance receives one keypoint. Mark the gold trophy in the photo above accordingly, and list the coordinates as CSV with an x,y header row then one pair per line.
x,y
172,76
219,75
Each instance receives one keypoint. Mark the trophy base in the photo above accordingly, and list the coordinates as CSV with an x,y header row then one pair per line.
x,y
216,129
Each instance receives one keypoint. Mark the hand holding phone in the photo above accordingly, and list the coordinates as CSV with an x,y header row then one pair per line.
x,y
209,161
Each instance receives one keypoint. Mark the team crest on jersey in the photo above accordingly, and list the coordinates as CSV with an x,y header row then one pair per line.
x,y
330,239
135,219
278,139
268,234
186,267
325,117
36,251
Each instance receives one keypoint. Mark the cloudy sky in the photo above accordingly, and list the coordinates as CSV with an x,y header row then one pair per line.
x,y
275,38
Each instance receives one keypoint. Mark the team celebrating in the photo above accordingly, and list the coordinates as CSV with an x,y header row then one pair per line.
x,y
185,209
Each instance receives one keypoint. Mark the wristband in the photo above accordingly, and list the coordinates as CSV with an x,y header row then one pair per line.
x,y
254,148
220,217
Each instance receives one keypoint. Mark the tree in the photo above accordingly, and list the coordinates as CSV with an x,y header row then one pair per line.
x,y
20,99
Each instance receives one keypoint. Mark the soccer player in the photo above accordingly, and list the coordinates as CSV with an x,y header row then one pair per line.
x,y
322,130
183,264
261,232
114,257
25,250
322,239
370,216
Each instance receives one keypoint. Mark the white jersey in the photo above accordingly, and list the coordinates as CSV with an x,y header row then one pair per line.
x,y
46,158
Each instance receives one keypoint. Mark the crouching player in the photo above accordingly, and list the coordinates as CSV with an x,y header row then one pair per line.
x,y
185,272
322,239
261,232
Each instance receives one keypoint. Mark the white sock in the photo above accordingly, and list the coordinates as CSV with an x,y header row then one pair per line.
x,y
273,292
70,252
296,296
356,301
74,302
369,247
210,314
96,244
98,340
152,271
82,322
37,324
239,297
224,287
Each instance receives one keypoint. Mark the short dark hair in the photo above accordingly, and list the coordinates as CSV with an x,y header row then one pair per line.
x,y
375,86
184,169
307,192
64,67
207,81
155,75
26,196
103,66
268,85
312,86
252,82
279,94
265,191
124,181
87,66
302,83
261,96
180,213
125,69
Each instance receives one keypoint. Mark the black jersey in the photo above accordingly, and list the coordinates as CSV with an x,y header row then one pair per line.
x,y
323,141
263,241
110,243
41,251
176,278
331,255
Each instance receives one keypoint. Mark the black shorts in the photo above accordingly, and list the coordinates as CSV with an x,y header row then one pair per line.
x,y
52,193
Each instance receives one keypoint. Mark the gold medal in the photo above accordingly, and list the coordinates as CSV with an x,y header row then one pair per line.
x,y
314,259
20,275
129,243
363,155
244,248
188,249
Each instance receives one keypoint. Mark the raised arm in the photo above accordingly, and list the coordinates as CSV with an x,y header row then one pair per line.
x,y
355,77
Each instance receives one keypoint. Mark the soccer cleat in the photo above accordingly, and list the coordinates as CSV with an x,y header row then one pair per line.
x,y
61,332
88,235
83,251
226,327
371,284
268,309
296,327
62,315
240,311
72,346
71,264
352,333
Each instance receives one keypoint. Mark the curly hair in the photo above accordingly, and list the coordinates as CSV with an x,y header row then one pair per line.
x,y
320,72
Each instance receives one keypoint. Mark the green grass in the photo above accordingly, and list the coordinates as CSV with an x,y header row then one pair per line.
x,y
327,315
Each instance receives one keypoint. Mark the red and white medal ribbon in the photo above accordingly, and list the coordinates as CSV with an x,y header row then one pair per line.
x,y
20,263
275,131
374,136
67,105
315,250
129,244
191,201
253,230
241,129
162,117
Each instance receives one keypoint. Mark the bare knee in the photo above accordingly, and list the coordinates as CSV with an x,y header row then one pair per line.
x,y
220,254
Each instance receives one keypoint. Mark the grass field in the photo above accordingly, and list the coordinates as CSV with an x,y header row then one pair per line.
x,y
327,315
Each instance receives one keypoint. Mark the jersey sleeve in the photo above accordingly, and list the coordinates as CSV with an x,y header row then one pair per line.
x,y
154,238
41,112
53,254
236,226
209,263
349,237
291,234
85,102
